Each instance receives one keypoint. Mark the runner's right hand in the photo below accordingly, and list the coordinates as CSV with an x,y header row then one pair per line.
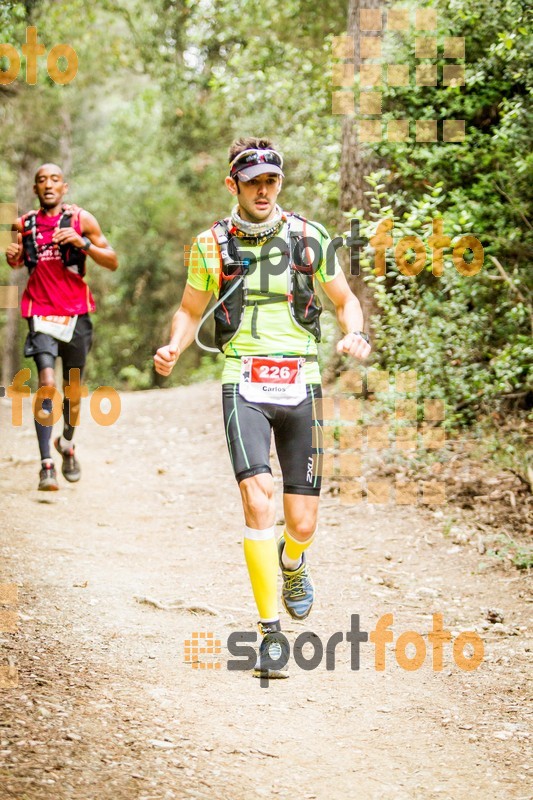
x,y
165,358
14,250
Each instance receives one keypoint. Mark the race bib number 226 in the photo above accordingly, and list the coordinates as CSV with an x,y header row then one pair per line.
x,y
272,380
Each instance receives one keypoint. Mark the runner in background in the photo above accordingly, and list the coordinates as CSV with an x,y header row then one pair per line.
x,y
53,244
262,264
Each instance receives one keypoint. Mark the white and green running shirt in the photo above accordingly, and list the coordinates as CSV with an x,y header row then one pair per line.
x,y
278,333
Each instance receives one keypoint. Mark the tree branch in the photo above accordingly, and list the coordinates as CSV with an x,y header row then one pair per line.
x,y
525,219
517,291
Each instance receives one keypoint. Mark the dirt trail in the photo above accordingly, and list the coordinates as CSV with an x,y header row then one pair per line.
x,y
108,708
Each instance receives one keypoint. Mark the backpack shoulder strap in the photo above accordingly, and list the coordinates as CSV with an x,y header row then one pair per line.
x,y
220,231
302,255
29,226
294,234
69,215
29,239
70,255
303,223
295,221
28,220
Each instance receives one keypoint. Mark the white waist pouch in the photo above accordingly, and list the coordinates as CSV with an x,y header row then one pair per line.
x,y
61,328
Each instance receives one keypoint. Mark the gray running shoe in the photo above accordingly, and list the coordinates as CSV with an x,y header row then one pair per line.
x,y
298,591
48,478
273,650
71,466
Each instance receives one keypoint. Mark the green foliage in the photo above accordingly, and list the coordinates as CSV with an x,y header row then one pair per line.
x,y
466,337
505,548
509,451
12,15
469,338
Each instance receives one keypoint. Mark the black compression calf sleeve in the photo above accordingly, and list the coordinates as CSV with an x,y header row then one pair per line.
x,y
68,431
44,432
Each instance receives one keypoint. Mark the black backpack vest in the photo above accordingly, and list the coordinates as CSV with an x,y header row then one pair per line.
x,y
304,305
70,255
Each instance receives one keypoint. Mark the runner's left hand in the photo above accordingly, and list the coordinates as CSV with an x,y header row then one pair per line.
x,y
354,345
67,236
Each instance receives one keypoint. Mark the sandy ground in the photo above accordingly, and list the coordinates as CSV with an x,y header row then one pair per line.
x,y
108,707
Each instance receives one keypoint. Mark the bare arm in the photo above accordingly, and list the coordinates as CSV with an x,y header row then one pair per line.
x,y
184,324
14,250
100,251
350,316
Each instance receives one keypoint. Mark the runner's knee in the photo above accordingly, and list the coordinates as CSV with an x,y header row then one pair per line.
x,y
301,515
303,529
257,494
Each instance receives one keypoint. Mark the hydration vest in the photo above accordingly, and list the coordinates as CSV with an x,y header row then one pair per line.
x,y
304,305
70,255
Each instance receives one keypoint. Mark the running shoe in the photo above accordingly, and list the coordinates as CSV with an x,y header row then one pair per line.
x,y
48,478
298,591
71,466
273,652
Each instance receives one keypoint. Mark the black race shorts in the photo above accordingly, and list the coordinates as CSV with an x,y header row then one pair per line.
x,y
249,428
44,349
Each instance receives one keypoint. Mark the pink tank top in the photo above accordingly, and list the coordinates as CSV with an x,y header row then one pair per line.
x,y
53,288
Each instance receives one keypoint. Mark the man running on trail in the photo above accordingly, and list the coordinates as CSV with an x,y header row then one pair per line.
x,y
53,243
261,263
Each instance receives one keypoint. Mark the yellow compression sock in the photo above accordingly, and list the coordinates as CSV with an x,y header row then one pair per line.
x,y
261,556
293,550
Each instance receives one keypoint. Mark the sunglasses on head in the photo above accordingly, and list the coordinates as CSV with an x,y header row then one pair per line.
x,y
249,158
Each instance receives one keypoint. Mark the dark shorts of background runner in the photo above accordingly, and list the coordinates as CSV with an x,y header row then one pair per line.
x,y
44,349
249,428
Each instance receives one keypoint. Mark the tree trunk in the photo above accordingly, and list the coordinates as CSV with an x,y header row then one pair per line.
x,y
352,184
356,162
26,164
11,359
65,142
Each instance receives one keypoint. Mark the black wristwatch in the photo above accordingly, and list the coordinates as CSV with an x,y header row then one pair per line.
x,y
86,244
364,336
